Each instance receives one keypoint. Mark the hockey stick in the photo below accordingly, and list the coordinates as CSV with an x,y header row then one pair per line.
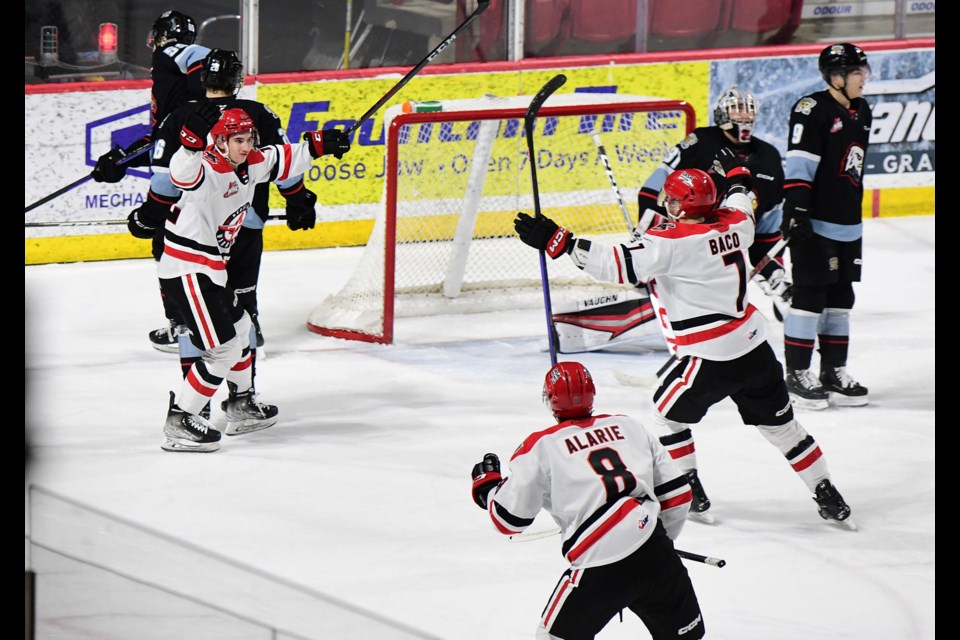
x,y
686,555
481,7
613,180
770,255
59,192
545,92
93,223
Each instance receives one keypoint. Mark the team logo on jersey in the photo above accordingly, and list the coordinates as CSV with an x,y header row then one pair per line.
x,y
853,164
689,141
228,229
837,126
642,524
833,264
232,189
805,105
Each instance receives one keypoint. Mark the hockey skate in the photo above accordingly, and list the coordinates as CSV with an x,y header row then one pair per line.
x,y
842,390
166,338
245,413
700,503
831,506
184,431
805,390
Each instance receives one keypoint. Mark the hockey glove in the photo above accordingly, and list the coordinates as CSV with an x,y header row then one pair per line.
x,y
327,142
543,234
486,476
796,225
301,212
197,126
733,170
108,169
138,228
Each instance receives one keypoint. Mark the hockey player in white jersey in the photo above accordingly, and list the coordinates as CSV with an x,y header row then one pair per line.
x,y
218,185
700,261
620,502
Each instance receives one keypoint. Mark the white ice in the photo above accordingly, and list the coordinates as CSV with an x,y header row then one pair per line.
x,y
362,491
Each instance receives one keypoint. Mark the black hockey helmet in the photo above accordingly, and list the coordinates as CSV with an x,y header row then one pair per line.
x,y
222,71
842,58
172,26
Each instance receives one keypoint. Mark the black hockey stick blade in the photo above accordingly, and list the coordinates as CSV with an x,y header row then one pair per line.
x,y
545,92
696,557
59,192
481,7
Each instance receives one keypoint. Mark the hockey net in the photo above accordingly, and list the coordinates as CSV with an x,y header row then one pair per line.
x,y
443,240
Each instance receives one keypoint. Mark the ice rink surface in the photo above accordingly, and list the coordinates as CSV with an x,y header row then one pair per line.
x,y
362,491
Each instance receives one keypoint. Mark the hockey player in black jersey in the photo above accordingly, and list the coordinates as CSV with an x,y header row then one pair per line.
x,y
175,71
826,149
734,116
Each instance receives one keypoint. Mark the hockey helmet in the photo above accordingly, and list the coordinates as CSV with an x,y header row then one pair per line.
x,y
687,193
568,391
842,58
222,71
172,26
736,113
232,122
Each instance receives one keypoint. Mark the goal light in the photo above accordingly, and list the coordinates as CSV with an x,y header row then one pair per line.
x,y
107,42
49,44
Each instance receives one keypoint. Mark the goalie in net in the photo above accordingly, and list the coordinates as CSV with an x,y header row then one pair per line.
x,y
442,241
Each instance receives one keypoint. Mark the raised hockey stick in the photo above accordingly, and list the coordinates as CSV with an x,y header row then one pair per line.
x,y
481,7
545,92
613,181
59,192
770,255
686,555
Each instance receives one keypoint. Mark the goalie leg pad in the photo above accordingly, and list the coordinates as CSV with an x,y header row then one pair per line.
x,y
602,322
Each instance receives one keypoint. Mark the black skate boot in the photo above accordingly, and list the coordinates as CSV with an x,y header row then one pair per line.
x,y
831,506
805,390
843,390
184,431
700,503
245,413
165,338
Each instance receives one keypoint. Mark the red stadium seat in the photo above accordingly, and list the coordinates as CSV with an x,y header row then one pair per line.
x,y
608,21
759,16
687,19
544,23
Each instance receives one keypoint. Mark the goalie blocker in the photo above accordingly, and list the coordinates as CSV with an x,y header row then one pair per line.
x,y
624,318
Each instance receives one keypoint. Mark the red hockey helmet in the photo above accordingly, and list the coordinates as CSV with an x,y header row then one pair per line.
x,y
232,122
568,390
687,193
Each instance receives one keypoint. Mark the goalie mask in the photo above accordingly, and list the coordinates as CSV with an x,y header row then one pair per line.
x,y
172,26
687,193
568,391
736,113
232,122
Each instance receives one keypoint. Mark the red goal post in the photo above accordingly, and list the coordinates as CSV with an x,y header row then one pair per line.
x,y
443,239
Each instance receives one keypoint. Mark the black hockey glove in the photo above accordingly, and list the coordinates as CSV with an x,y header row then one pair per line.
x,y
138,227
486,476
327,142
796,225
197,126
108,169
301,210
543,234
732,170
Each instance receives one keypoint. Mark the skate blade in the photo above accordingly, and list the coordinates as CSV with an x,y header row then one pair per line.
x,y
840,400
846,525
166,348
187,446
810,405
701,517
240,428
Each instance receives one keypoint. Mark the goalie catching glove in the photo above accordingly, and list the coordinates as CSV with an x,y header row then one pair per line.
x,y
486,476
327,142
544,234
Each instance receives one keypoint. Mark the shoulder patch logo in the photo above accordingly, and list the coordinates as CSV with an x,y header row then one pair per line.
x,y
689,141
805,105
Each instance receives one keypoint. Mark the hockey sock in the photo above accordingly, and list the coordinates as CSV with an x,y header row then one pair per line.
x,y
801,451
